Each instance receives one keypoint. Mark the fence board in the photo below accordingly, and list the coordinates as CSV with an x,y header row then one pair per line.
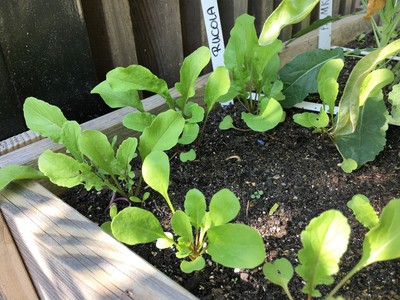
x,y
345,7
260,9
229,11
157,30
110,32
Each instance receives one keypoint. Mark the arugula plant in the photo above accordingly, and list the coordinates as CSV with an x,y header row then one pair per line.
x,y
196,231
359,129
325,240
91,160
121,88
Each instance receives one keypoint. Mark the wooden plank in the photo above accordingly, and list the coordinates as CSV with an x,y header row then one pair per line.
x,y
69,257
345,7
157,30
336,7
15,282
343,31
229,10
110,31
18,141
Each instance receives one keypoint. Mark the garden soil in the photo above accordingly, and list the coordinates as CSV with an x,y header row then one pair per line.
x,y
295,169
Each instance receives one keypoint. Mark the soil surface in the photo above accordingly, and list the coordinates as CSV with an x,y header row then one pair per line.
x,y
298,170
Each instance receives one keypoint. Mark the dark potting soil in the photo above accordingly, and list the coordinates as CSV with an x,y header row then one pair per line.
x,y
294,168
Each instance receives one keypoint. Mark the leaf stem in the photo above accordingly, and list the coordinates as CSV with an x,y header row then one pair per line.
x,y
357,268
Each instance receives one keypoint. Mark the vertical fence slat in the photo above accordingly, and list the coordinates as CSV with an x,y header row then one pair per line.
x,y
345,7
229,10
158,37
193,29
260,9
336,7
111,37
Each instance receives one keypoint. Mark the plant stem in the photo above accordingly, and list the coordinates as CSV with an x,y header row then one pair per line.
x,y
357,268
139,185
171,207
119,187
286,289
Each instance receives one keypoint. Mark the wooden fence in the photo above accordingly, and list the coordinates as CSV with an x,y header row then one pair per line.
x,y
58,50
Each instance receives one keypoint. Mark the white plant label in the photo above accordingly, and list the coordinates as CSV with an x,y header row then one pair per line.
x,y
325,10
215,37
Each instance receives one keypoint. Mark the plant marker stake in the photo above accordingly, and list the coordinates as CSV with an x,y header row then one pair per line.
x,y
215,37
325,10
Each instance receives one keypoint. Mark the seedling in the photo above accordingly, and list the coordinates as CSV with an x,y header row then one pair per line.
x,y
257,195
325,240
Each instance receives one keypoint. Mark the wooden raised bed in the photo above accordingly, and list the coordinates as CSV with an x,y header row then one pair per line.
x,y
66,255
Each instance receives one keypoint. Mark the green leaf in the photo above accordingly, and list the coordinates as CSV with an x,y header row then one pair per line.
x,y
155,171
44,118
280,272
189,134
126,152
135,225
273,209
308,119
97,148
187,156
269,117
235,246
369,137
116,99
138,121
227,123
136,77
383,241
300,75
106,227
224,207
165,242
348,114
180,223
328,88
195,207
195,265
113,211
162,134
349,165
194,112
288,12
65,171
363,211
394,100
373,84
70,133
14,172
189,72
218,84
324,241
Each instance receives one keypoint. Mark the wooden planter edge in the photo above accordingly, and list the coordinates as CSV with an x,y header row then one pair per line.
x,y
69,257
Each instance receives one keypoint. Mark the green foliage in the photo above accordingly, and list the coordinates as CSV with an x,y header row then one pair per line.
x,y
359,129
257,194
394,100
288,12
254,72
299,75
198,231
187,156
325,240
14,172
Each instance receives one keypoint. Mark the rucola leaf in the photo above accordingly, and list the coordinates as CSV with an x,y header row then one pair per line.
x,y
136,77
235,246
363,211
195,207
14,172
70,133
95,145
195,265
383,241
138,121
324,241
187,156
44,118
280,272
115,99
189,72
328,88
224,207
162,134
268,118
135,225
180,223
217,85
394,99
126,152
373,84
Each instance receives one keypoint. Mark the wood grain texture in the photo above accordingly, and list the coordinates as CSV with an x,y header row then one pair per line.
x,y
111,36
18,141
157,30
15,282
343,31
69,257
229,11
